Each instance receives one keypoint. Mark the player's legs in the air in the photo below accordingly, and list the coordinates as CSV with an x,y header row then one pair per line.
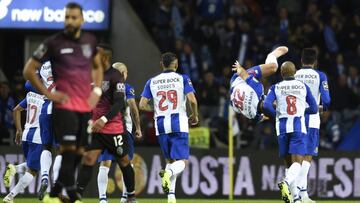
x,y
10,172
32,154
175,147
291,144
105,160
70,129
312,143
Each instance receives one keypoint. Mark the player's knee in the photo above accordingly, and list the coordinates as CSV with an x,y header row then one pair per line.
x,y
47,147
33,172
123,162
90,157
64,148
106,163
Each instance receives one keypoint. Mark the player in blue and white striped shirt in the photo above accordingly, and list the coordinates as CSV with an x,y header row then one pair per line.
x,y
318,84
30,140
291,97
169,92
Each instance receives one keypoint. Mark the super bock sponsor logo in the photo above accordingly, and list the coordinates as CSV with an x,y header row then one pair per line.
x,y
86,50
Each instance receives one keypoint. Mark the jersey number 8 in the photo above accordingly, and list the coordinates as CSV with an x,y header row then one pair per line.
x,y
291,105
171,96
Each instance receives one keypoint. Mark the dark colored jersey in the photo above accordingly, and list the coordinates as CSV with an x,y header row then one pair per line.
x,y
113,88
71,61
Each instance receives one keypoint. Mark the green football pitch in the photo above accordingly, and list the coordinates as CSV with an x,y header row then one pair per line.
x,y
140,200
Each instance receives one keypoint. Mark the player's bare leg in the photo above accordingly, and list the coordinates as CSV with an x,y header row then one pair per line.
x,y
279,51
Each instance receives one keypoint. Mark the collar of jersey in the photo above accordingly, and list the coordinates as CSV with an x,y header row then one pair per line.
x,y
289,78
168,71
307,67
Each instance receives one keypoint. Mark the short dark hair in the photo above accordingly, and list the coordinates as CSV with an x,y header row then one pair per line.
x,y
167,58
74,5
308,56
106,47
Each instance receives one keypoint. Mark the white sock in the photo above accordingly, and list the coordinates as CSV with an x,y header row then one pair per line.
x,y
301,181
293,173
172,183
22,184
45,164
176,167
56,167
124,191
102,180
20,168
294,190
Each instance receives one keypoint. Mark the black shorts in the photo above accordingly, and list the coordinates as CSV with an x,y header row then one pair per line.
x,y
116,144
70,127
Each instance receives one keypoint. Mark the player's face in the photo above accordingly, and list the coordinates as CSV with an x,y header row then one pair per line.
x,y
73,21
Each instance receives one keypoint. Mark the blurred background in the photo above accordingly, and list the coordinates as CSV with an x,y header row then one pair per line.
x,y
208,36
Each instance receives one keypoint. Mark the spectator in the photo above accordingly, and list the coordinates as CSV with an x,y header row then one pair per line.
x,y
209,96
7,104
284,25
163,29
189,63
229,42
211,10
330,36
353,80
341,90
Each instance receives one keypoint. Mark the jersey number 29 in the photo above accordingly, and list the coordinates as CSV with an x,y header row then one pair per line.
x,y
171,96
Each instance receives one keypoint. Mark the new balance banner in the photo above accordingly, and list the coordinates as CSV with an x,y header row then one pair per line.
x,y
334,175
50,14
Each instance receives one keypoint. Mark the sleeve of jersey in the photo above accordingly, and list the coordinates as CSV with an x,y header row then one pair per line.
x,y
147,92
188,87
129,91
29,87
324,91
313,107
118,99
23,103
42,53
255,71
268,104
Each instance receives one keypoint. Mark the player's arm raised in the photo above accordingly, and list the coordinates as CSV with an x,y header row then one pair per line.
x,y
98,76
17,120
242,73
269,109
134,112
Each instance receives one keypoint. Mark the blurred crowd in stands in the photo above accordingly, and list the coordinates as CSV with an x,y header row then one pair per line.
x,y
209,35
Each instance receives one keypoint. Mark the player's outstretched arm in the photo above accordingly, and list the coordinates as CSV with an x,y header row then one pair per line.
x,y
242,73
270,67
134,112
194,117
17,120
313,107
324,91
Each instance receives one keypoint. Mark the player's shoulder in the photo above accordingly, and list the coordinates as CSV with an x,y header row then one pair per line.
x,y
321,73
128,86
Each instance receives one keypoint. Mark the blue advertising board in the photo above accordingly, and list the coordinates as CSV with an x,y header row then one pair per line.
x,y
50,14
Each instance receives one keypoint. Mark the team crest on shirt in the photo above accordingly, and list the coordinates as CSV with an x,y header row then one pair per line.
x,y
325,85
189,81
105,86
86,50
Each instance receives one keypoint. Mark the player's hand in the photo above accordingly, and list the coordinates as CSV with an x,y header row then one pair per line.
x,y
18,137
193,120
97,125
93,99
237,67
138,134
58,97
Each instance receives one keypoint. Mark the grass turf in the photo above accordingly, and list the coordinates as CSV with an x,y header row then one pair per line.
x,y
140,200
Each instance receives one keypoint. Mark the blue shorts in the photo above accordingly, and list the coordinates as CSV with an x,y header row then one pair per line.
x,y
32,154
46,132
175,146
292,143
106,155
312,141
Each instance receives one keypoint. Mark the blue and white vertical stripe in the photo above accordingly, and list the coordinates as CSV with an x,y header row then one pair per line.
x,y
290,125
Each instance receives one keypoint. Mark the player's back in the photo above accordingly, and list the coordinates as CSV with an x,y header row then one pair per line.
x,y
291,98
168,91
34,104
